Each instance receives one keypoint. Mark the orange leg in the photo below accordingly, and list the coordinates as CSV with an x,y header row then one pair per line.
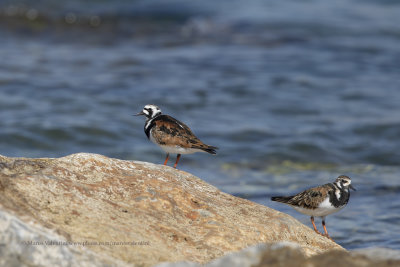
x,y
166,159
315,227
177,159
326,232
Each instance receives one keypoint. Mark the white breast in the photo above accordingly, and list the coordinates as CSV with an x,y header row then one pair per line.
x,y
324,208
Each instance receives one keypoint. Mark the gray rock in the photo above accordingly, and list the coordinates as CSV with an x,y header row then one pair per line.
x,y
247,257
28,244
378,253
290,254
139,213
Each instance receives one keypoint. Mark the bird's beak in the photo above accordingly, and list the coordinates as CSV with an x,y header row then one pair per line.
x,y
351,187
139,114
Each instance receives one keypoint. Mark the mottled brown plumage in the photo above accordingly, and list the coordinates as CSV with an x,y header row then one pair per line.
x,y
172,135
308,199
169,131
321,201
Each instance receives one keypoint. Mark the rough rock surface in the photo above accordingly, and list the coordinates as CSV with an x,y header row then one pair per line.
x,y
162,214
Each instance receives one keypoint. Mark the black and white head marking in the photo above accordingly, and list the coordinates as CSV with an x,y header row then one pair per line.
x,y
343,182
341,191
151,111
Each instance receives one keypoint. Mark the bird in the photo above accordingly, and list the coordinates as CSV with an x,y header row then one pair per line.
x,y
321,201
171,135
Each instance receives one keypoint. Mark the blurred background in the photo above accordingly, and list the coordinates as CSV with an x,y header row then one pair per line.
x,y
293,92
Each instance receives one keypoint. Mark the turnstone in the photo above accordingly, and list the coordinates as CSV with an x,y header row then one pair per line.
x,y
171,135
321,201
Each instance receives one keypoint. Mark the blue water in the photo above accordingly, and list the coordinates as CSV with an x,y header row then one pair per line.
x,y
294,93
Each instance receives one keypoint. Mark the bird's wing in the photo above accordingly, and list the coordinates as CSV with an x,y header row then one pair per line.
x,y
168,130
310,198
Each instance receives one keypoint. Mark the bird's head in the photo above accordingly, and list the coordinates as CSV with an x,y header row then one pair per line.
x,y
345,182
150,111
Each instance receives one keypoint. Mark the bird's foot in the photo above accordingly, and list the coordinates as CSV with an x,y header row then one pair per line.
x,y
327,236
318,232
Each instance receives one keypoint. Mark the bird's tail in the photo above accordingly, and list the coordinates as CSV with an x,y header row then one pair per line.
x,y
206,148
210,149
